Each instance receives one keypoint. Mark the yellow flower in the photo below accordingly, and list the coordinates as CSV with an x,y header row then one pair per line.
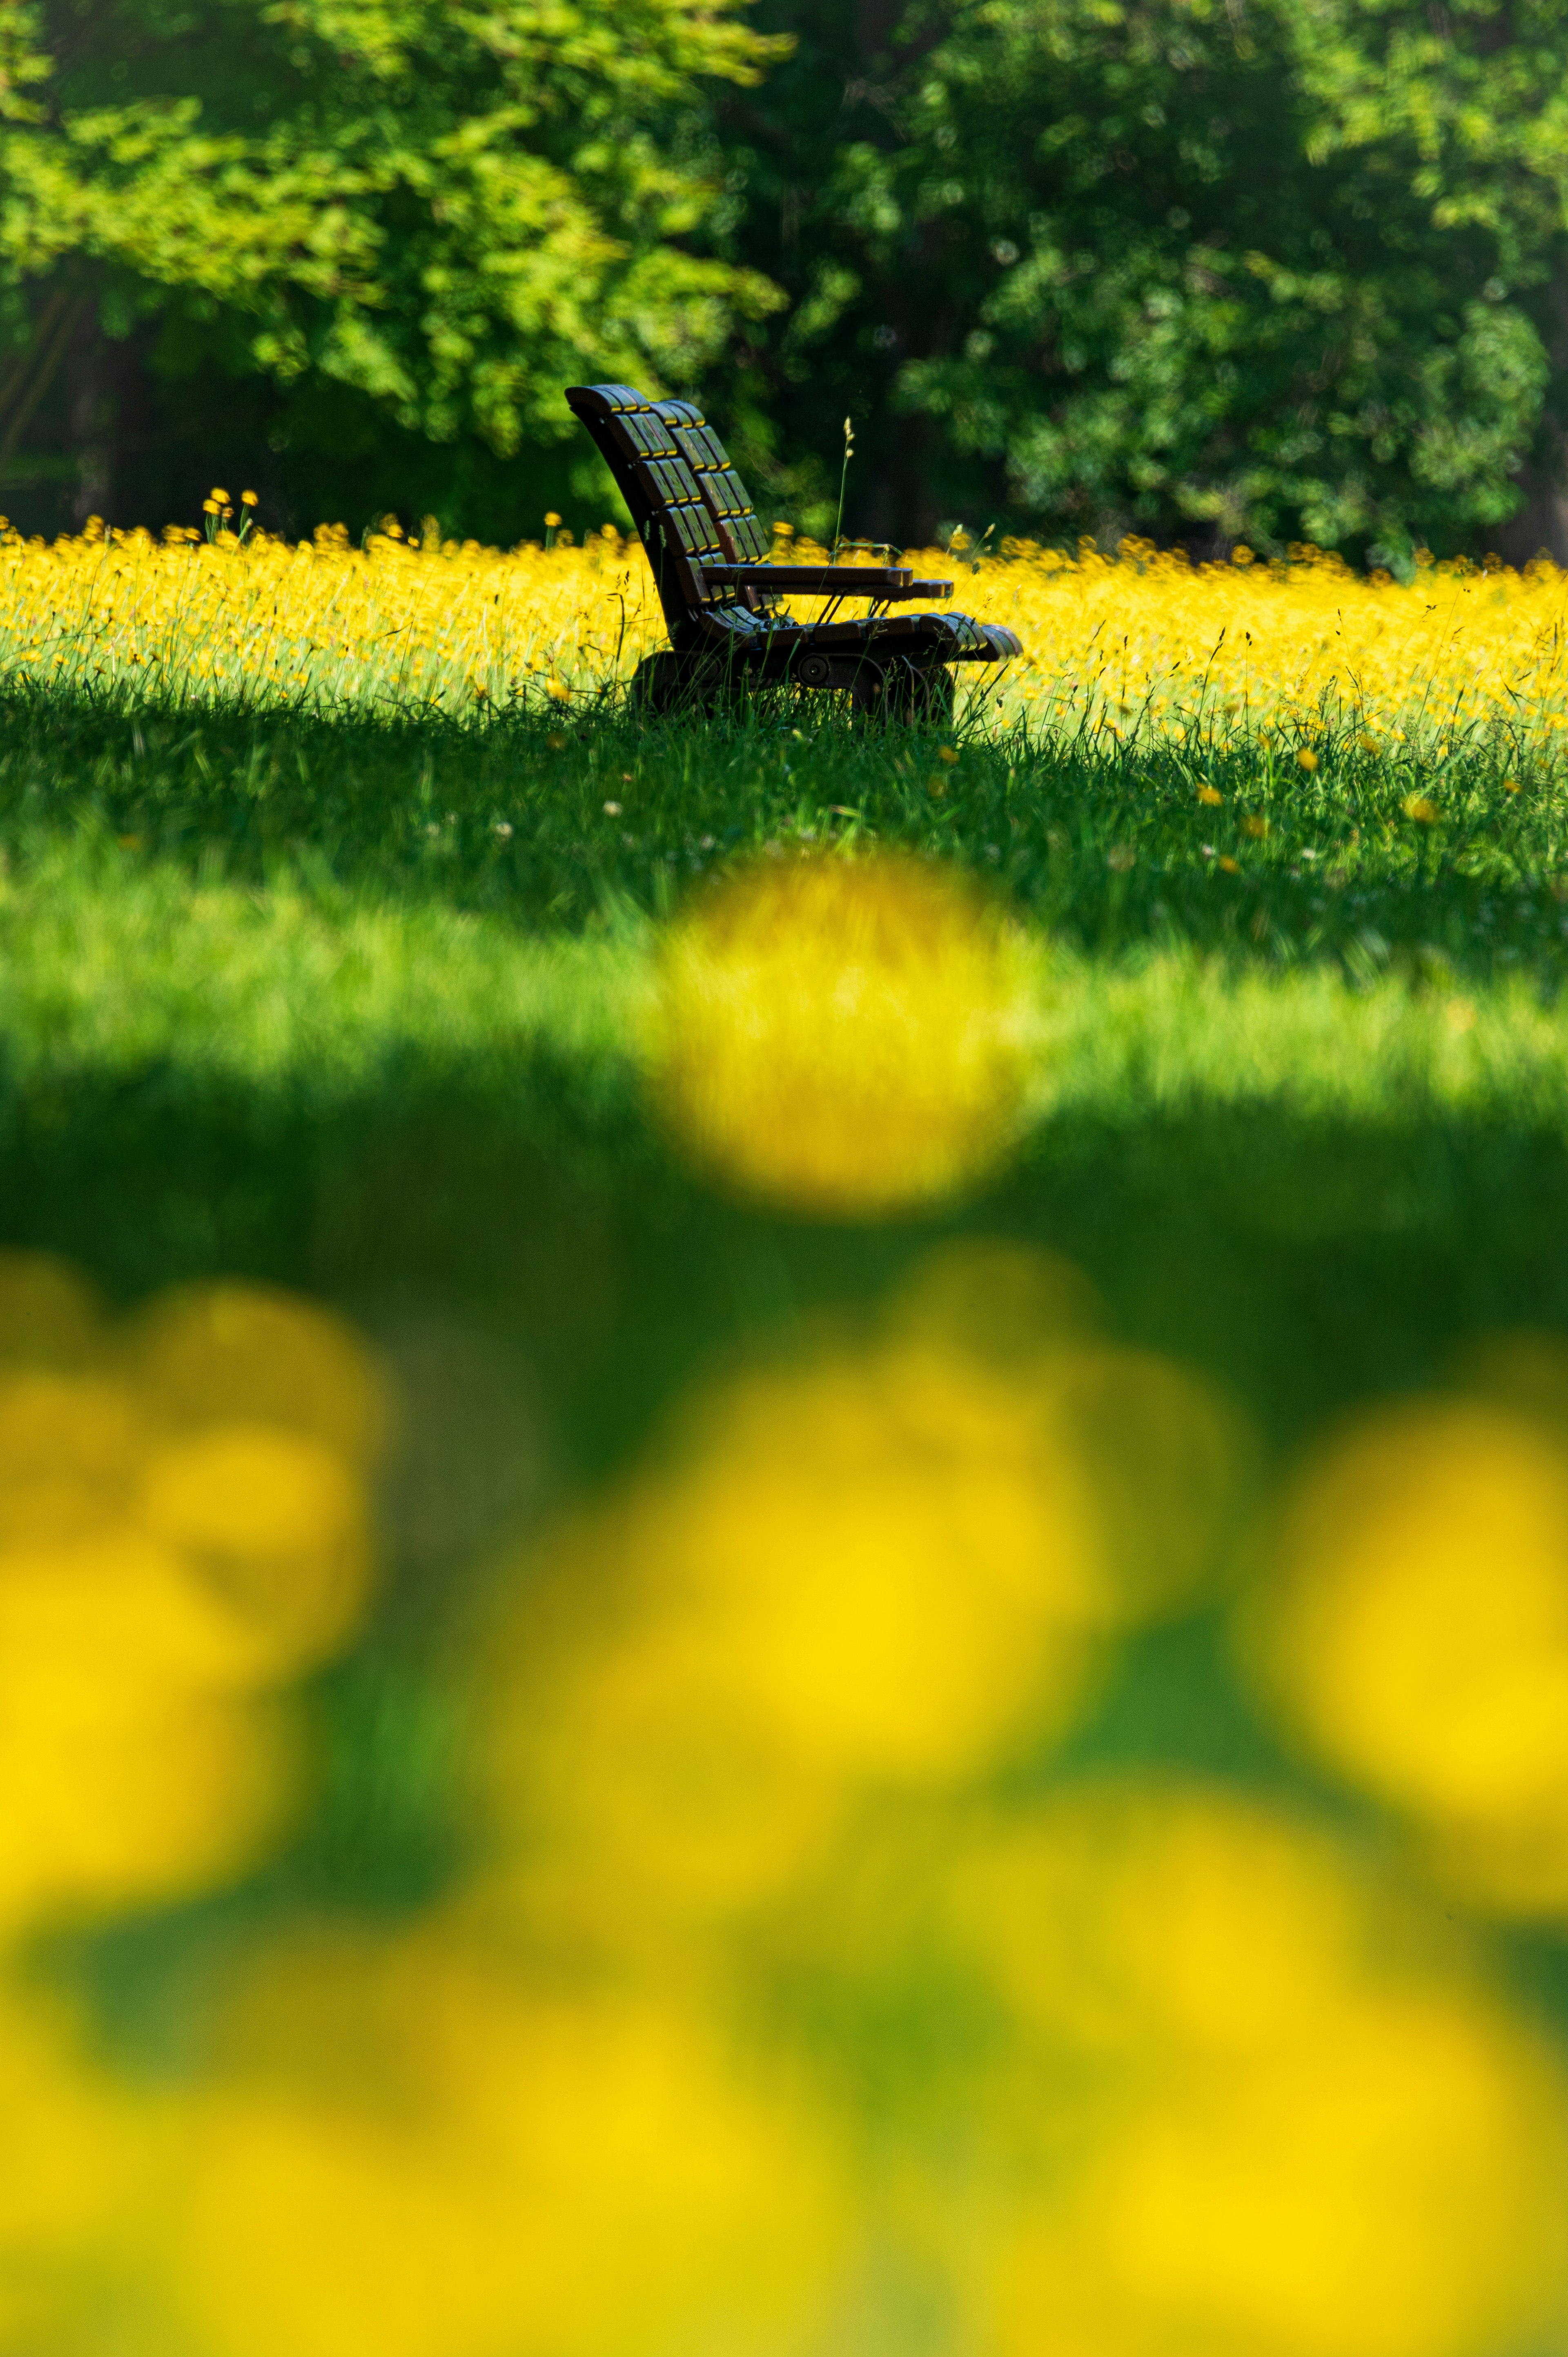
x,y
1255,825
182,1528
1270,2126
838,1034
275,1521
776,1619
1421,808
1211,797
1285,643
881,1570
1415,1633
411,2150
1307,759
81,2154
224,1354
1227,865
135,1765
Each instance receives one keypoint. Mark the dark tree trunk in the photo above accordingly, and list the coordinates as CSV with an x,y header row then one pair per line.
x,y
89,421
1541,527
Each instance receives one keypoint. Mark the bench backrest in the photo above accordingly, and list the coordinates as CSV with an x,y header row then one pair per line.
x,y
686,499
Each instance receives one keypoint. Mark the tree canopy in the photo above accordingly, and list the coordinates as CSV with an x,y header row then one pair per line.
x,y
444,207
1277,269
1209,270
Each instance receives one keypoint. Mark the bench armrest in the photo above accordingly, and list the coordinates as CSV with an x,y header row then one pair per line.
x,y
880,581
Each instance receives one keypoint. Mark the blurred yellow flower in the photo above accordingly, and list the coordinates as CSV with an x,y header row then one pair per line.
x,y
134,1763
275,1523
872,1569
230,1353
411,2152
71,1449
884,1568
1246,2116
779,1973
79,2153
840,1034
1413,1631
162,1564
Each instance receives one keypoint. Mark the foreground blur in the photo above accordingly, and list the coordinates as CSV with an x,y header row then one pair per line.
x,y
796,1984
802,1971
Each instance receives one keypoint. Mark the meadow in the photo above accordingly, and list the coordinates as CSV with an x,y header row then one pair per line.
x,y
435,1087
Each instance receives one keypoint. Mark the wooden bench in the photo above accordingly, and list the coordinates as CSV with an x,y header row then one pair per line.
x,y
720,594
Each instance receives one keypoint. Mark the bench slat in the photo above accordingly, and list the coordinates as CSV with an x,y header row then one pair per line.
x,y
893,581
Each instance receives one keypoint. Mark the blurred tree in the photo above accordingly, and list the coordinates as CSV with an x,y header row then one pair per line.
x,y
1206,269
1210,270
348,231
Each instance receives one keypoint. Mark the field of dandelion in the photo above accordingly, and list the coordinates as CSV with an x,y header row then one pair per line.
x,y
1138,646
784,1539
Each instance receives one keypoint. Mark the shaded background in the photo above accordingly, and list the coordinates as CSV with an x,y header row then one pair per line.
x,y
1209,274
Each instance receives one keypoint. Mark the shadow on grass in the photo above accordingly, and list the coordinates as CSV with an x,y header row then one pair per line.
x,y
1302,1261
557,821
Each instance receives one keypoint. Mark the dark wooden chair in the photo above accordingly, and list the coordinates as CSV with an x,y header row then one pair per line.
x,y
709,557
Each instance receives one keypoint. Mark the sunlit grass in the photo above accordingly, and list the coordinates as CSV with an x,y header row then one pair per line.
x,y
110,963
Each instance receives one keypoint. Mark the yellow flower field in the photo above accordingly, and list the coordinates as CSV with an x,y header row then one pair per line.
x,y
1117,648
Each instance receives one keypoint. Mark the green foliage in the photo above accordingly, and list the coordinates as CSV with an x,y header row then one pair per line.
x,y
1211,270
1267,269
447,208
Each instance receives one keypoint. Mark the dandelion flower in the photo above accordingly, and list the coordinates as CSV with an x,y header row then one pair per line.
x,y
840,1034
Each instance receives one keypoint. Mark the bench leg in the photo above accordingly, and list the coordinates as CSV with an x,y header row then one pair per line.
x,y
668,683
920,694
916,694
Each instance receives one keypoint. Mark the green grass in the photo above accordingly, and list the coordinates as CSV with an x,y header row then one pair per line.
x,y
1107,851
320,994
318,913
248,966
282,998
